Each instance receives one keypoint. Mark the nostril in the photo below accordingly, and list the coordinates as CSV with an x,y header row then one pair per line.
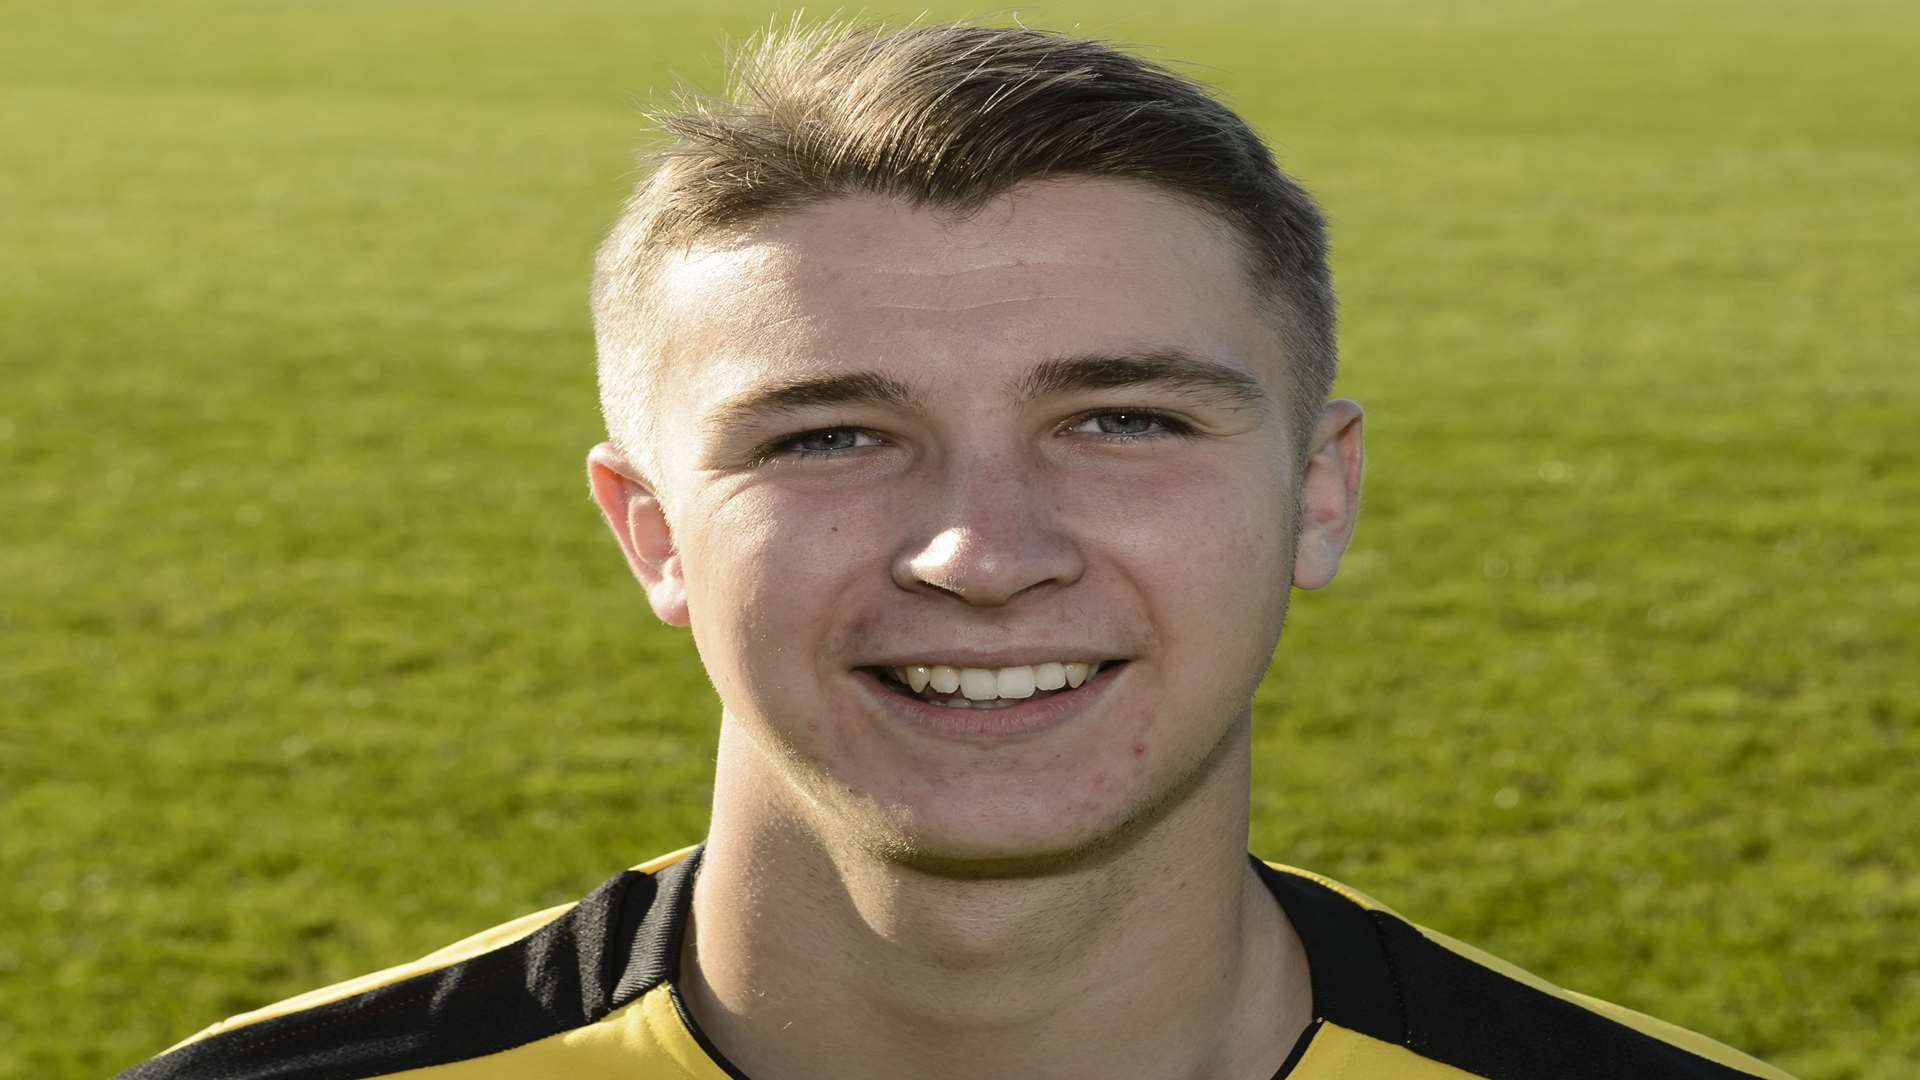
x,y
988,567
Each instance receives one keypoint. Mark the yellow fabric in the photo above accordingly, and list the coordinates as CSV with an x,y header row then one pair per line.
x,y
1353,894
646,1040
1339,1054
465,949
659,863
643,1041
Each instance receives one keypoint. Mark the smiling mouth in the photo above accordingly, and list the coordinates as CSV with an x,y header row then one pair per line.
x,y
987,688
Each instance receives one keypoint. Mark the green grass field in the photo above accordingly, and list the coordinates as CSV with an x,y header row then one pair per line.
x,y
314,655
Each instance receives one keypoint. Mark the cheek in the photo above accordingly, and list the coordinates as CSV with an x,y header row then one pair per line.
x,y
1205,551
1211,535
766,576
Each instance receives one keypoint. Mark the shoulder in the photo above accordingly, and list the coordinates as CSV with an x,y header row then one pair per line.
x,y
1389,981
517,983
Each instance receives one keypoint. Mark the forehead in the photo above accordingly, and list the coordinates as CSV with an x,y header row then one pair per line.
x,y
1050,269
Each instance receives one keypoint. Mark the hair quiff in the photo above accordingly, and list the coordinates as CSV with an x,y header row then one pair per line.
x,y
950,116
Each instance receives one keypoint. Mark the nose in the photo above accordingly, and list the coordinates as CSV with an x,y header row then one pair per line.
x,y
990,535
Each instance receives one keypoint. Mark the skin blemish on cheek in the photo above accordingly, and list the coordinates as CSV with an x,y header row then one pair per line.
x,y
1099,778
1139,749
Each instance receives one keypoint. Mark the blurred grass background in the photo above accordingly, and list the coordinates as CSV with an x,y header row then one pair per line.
x,y
314,656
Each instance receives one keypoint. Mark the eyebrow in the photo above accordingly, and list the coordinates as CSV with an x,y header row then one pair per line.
x,y
1172,369
752,408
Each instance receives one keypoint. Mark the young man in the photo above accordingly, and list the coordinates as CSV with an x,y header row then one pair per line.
x,y
967,399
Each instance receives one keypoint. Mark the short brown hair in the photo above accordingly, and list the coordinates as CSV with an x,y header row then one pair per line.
x,y
950,116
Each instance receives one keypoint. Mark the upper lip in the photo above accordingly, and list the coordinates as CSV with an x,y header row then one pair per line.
x,y
996,658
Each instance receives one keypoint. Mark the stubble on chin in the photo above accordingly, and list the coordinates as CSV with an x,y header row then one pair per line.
x,y
889,837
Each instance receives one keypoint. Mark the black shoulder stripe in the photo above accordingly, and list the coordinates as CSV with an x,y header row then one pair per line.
x,y
652,922
1354,985
1483,1022
548,982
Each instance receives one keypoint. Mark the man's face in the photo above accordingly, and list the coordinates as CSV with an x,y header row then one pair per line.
x,y
900,450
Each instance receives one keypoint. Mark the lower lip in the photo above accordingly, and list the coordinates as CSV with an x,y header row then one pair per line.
x,y
1031,716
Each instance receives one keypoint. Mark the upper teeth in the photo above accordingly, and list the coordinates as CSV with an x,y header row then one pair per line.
x,y
985,684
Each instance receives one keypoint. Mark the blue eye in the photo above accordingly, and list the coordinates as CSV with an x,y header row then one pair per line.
x,y
821,442
1128,424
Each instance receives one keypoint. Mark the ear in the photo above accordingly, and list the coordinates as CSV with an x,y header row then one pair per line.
x,y
1329,494
639,523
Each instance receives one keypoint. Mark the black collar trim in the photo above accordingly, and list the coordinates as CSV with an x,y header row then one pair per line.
x,y
1354,985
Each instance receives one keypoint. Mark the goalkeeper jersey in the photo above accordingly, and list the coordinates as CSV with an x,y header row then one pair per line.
x,y
587,991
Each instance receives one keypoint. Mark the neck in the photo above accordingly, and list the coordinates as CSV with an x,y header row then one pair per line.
x,y
809,961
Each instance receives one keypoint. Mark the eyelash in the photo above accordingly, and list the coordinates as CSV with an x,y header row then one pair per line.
x,y
786,446
1168,425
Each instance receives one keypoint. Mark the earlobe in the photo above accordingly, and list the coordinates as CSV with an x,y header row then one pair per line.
x,y
639,523
1329,494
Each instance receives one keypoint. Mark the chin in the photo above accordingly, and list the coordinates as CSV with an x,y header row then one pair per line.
x,y
1031,841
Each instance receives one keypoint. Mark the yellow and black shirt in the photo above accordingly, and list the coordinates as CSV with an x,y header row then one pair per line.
x,y
586,991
